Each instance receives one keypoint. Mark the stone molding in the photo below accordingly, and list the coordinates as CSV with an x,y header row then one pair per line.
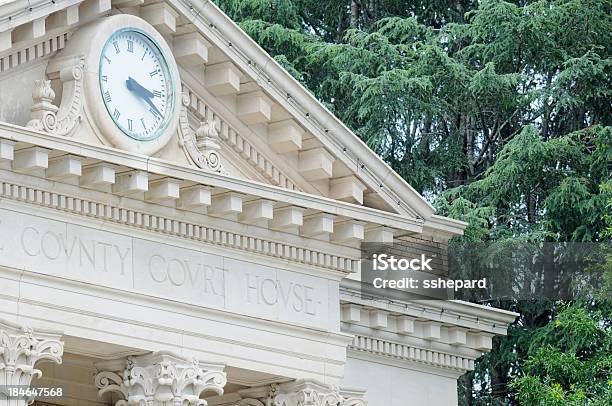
x,y
197,106
33,52
155,166
178,228
454,313
447,336
69,71
202,147
160,379
43,111
20,350
47,117
407,352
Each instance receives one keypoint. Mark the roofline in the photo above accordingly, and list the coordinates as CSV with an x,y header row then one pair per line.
x,y
391,180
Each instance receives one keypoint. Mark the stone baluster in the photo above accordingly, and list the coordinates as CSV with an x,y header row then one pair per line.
x,y
162,379
20,350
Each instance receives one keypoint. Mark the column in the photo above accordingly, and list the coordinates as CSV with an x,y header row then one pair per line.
x,y
161,379
303,392
20,350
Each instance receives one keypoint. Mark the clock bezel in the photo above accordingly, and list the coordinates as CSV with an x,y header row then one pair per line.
x,y
90,41
170,111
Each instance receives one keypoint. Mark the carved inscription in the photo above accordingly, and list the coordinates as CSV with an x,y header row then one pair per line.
x,y
189,275
59,247
274,292
182,272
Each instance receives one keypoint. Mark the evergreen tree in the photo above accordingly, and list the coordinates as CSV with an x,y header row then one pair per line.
x,y
500,112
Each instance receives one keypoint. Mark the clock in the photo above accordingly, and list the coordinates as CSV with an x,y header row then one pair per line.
x,y
131,84
136,84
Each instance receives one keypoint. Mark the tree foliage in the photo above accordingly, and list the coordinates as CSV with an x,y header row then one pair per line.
x,y
500,113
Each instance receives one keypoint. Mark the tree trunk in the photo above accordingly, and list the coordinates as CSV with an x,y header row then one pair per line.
x,y
467,382
354,14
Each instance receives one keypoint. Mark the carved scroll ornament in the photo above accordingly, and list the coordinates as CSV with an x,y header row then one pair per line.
x,y
203,145
62,120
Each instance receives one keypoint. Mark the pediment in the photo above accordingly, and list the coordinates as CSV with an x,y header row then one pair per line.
x,y
240,112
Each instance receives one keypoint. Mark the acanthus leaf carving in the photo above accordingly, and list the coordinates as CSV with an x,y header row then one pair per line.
x,y
43,111
62,120
203,145
20,350
306,392
161,378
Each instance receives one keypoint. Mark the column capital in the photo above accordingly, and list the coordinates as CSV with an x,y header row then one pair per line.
x,y
162,377
307,392
20,350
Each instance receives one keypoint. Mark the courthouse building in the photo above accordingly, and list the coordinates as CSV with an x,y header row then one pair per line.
x,y
181,223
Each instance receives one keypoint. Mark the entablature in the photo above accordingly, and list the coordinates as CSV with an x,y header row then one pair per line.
x,y
156,195
443,334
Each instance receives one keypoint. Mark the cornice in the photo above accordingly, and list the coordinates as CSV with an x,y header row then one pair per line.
x,y
158,166
318,120
164,224
403,352
34,51
417,366
24,11
452,312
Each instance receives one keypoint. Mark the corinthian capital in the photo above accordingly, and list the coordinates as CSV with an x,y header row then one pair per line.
x,y
162,379
308,392
20,350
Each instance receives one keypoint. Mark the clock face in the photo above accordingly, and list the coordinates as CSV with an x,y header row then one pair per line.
x,y
136,84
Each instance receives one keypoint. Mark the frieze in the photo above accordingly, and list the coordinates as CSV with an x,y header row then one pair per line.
x,y
162,270
183,229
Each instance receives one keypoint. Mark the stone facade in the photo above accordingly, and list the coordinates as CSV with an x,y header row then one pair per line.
x,y
216,263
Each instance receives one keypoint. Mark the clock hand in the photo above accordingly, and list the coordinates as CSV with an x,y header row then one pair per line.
x,y
136,87
145,94
150,102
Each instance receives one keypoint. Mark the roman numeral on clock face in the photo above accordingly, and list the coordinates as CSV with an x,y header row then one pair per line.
x,y
128,85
